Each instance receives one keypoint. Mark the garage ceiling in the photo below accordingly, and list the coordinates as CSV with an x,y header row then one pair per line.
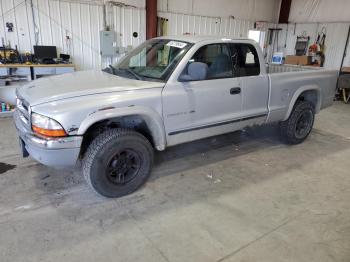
x,y
306,11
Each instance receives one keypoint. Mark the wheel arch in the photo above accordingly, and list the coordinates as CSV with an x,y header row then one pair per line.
x,y
311,93
143,119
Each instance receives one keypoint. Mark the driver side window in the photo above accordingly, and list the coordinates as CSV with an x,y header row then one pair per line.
x,y
217,58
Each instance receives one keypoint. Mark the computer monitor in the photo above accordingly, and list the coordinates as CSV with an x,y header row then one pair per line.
x,y
45,52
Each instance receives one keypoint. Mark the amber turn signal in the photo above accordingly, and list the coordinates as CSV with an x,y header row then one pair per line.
x,y
48,132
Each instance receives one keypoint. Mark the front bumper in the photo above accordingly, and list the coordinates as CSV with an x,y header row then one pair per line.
x,y
55,152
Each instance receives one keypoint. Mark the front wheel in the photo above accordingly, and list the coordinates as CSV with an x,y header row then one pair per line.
x,y
299,124
118,162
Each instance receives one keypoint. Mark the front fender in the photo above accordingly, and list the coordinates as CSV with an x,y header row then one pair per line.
x,y
297,94
151,117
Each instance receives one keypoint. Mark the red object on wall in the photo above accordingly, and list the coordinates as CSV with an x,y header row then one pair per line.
x,y
151,18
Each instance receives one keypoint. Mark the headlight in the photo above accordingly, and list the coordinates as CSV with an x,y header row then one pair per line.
x,y
46,126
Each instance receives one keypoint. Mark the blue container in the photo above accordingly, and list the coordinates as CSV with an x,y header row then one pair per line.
x,y
3,107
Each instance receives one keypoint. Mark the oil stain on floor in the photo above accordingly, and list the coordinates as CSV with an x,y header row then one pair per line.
x,y
5,167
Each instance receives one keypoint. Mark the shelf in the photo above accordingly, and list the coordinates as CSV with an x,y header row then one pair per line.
x,y
6,114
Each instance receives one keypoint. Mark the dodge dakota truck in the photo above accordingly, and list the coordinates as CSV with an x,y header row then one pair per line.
x,y
167,91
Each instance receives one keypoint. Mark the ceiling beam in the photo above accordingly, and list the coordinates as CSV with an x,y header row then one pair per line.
x,y
151,18
285,11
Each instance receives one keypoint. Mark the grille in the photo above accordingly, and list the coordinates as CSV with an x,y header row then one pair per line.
x,y
23,108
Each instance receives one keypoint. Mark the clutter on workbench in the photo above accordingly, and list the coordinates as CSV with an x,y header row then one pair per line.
x,y
17,68
42,55
298,60
317,49
5,107
309,54
301,56
302,45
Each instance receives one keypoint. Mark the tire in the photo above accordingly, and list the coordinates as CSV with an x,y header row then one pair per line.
x,y
299,124
118,162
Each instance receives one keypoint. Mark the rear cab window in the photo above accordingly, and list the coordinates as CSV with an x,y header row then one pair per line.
x,y
245,60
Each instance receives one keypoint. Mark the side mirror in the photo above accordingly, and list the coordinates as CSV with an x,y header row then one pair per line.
x,y
196,71
185,78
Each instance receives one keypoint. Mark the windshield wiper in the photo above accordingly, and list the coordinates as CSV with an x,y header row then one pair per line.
x,y
131,72
112,68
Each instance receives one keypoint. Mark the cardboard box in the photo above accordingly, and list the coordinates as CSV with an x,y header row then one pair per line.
x,y
345,70
291,60
298,60
305,60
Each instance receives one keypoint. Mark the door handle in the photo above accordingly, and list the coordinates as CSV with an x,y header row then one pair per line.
x,y
235,91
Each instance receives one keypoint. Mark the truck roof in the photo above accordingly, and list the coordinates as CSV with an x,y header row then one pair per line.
x,y
199,38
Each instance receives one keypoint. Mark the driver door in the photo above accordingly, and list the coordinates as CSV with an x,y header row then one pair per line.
x,y
198,109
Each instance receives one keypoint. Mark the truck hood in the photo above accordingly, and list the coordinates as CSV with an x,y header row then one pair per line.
x,y
83,83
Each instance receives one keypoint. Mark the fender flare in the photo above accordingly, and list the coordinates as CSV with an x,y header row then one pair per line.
x,y
297,94
151,117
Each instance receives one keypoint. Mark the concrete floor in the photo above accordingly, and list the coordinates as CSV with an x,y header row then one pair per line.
x,y
239,197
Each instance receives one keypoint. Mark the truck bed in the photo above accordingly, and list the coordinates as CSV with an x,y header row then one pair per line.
x,y
288,82
273,69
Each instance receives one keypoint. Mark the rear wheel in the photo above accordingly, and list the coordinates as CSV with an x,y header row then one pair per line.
x,y
118,162
299,124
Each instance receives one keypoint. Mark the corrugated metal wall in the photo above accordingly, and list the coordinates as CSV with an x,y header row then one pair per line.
x,y
182,24
179,24
16,12
253,10
205,25
72,26
126,21
324,11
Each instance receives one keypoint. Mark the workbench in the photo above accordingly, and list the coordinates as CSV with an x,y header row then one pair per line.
x,y
24,72
34,71
51,69
10,71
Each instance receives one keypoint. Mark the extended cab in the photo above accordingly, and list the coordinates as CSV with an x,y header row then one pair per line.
x,y
167,91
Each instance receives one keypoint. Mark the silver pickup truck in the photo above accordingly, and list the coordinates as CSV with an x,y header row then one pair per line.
x,y
167,91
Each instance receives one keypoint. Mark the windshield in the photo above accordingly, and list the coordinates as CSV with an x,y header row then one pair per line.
x,y
155,59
